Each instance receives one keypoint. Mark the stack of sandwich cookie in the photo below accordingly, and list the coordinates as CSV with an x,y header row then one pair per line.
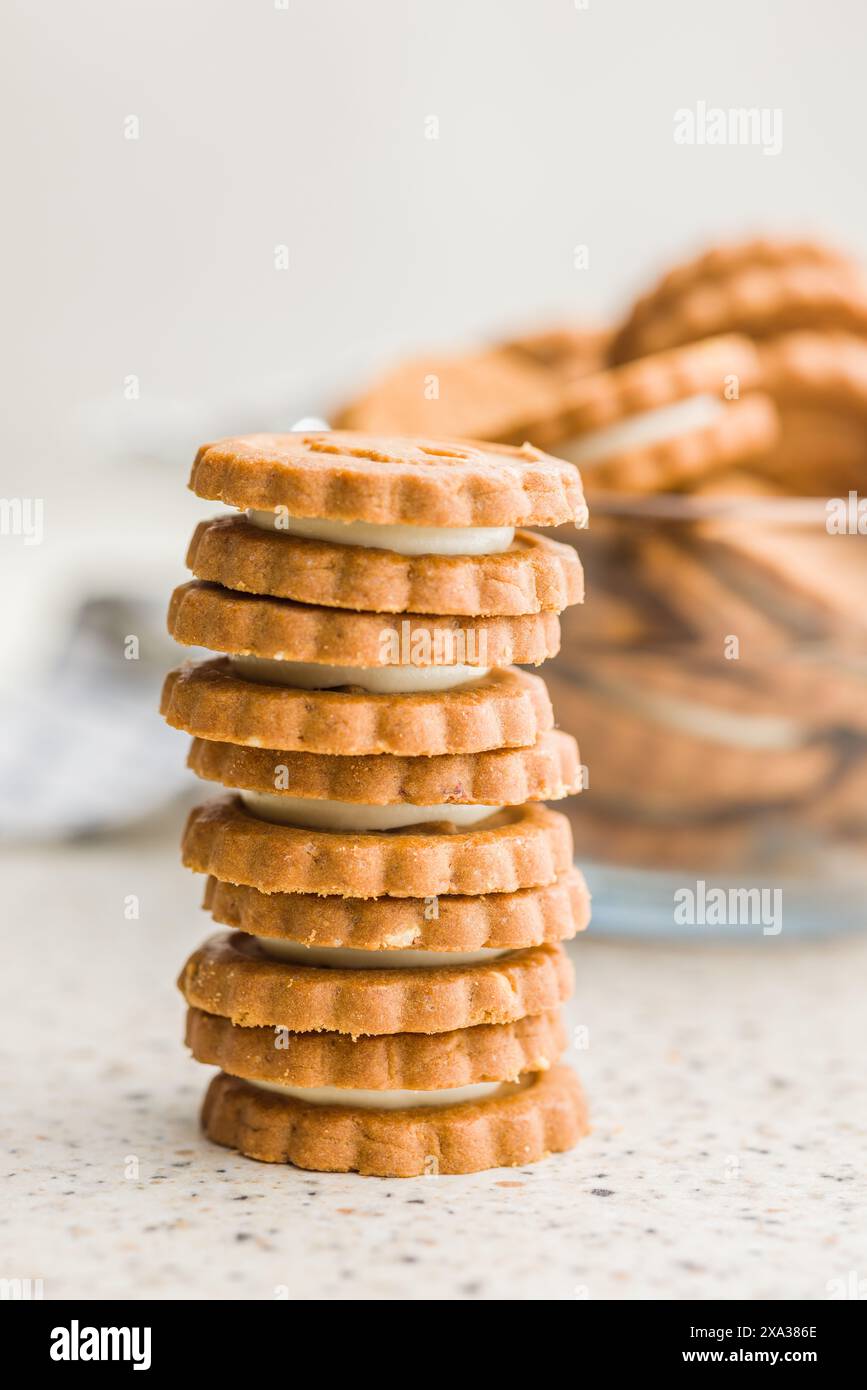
x,y
387,996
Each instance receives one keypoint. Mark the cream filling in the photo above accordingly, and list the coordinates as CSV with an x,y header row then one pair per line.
x,y
324,814
379,680
650,427
404,540
391,1100
347,958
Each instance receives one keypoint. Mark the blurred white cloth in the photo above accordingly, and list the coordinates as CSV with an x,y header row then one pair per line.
x,y
82,748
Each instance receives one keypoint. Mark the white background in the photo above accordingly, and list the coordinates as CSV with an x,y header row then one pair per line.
x,y
306,127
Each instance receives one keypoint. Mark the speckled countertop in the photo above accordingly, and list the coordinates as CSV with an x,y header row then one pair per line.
x,y
727,1087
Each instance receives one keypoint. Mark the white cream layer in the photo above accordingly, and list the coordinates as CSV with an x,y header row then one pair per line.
x,y
347,958
324,814
404,540
649,427
379,680
391,1100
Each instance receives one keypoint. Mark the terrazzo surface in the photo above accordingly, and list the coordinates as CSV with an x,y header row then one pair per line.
x,y
728,1096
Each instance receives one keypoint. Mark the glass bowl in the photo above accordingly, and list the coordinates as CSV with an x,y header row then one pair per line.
x,y
716,681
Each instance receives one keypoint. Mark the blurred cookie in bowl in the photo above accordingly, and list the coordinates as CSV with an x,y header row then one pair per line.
x,y
570,350
679,750
782,558
818,381
714,845
508,392
662,423
506,397
760,287
736,567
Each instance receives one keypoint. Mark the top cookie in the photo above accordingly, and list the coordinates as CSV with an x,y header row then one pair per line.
x,y
345,476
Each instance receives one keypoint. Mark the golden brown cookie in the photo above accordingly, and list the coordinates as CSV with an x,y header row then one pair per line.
x,y
486,394
715,377
547,1115
347,476
759,301
550,913
719,265
521,847
231,975
503,709
206,615
547,771
536,574
396,1061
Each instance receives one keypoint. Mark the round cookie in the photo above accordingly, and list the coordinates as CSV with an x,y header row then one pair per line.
x,y
232,975
224,620
547,771
396,1061
505,708
548,913
546,1116
346,476
522,847
536,574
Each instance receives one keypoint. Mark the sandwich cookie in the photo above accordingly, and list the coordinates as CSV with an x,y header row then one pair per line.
x,y
375,480
234,975
488,1053
546,1114
758,288
283,636
664,421
501,709
518,847
546,914
526,573
386,791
